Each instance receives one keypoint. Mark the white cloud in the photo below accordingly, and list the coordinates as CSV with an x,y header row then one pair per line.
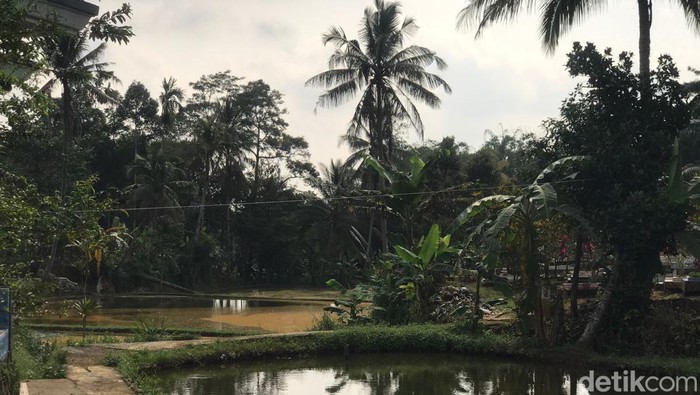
x,y
502,78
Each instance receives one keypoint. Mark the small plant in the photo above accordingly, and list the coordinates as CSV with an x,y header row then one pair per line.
x,y
103,339
325,323
348,306
150,330
694,275
9,377
85,307
35,358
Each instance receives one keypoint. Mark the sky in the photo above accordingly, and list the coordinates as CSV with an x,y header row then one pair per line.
x,y
501,81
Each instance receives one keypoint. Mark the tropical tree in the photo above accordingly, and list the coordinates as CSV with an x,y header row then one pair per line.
x,y
157,181
558,16
523,212
170,102
631,149
78,68
137,112
335,216
390,75
204,113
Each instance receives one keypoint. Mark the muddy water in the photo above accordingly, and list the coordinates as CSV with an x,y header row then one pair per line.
x,y
275,316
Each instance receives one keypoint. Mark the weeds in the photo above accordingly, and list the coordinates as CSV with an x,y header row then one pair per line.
x,y
325,323
150,330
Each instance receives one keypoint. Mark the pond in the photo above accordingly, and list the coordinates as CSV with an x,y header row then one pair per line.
x,y
394,373
195,312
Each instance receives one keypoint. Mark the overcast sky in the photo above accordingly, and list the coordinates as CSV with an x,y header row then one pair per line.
x,y
502,80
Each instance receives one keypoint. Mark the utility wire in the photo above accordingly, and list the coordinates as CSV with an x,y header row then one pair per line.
x,y
315,199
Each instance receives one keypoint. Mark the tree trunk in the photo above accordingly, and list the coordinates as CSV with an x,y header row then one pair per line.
x,y
577,270
203,198
68,115
594,323
645,18
52,258
370,233
256,173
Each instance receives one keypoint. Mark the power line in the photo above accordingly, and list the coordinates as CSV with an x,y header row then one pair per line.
x,y
316,199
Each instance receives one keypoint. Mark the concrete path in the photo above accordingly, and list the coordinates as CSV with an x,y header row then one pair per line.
x,y
89,380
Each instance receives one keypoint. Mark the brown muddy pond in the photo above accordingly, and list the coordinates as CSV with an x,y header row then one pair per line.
x,y
196,312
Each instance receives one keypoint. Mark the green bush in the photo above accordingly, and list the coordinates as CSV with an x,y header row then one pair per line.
x,y
9,378
35,358
149,330
325,323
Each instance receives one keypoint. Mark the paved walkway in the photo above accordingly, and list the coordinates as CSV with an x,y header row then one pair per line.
x,y
87,380
85,375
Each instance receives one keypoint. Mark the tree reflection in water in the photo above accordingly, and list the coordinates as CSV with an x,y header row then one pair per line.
x,y
375,374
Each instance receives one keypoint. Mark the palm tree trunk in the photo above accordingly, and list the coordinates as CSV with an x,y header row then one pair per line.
x,y
68,115
586,339
645,18
203,198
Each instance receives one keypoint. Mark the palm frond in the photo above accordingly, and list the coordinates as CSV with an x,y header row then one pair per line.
x,y
339,94
419,92
558,16
332,78
691,9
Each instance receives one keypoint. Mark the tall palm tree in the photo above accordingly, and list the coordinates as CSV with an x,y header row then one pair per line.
x,y
156,185
333,217
558,16
170,101
389,75
77,69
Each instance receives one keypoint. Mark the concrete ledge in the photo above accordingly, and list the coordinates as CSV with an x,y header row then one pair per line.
x,y
93,380
50,387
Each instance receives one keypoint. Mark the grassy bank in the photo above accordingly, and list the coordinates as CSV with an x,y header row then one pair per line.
x,y
137,366
32,358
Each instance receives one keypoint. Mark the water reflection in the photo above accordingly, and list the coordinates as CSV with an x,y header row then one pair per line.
x,y
377,374
235,305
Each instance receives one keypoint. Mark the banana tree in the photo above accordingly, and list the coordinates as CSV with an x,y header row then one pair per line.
x,y
93,246
421,266
347,307
521,213
407,190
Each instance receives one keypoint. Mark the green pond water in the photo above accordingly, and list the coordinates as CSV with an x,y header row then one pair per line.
x,y
196,312
403,373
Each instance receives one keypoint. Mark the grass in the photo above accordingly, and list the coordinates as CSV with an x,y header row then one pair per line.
x,y
138,367
35,358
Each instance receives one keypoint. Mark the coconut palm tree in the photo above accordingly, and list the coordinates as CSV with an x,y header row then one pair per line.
x,y
79,70
170,101
390,75
558,16
335,216
156,185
